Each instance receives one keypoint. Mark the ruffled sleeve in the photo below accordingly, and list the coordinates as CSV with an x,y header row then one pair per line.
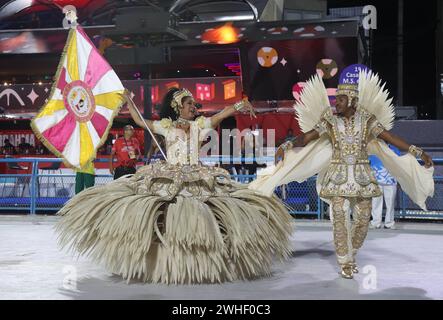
x,y
204,122
163,126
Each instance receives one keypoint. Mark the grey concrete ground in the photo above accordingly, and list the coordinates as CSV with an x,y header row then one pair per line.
x,y
406,263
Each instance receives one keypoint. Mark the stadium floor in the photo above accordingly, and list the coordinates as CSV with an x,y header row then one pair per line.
x,y
406,263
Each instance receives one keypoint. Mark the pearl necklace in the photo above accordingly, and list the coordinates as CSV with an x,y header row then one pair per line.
x,y
182,121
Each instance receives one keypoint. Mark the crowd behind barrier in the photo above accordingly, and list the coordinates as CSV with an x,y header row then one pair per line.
x,y
43,184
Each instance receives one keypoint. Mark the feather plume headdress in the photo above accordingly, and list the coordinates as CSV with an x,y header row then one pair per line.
x,y
374,98
313,103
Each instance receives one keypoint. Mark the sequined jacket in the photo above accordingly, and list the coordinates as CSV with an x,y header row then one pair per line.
x,y
349,173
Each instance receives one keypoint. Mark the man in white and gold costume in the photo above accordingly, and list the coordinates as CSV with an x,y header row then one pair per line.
x,y
336,147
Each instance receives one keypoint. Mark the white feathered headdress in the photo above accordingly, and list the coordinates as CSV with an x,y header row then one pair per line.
x,y
375,99
313,103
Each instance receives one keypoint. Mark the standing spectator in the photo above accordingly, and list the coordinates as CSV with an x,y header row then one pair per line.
x,y
24,147
249,150
35,21
289,135
127,151
388,186
8,148
41,149
84,178
108,144
154,154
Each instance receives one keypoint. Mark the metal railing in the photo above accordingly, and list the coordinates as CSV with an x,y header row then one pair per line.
x,y
36,190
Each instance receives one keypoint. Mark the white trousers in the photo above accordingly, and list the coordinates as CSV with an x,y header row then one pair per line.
x,y
389,193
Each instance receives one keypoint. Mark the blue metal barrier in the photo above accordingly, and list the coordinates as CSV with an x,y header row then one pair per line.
x,y
300,198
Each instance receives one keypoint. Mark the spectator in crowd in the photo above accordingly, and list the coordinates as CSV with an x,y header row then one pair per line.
x,y
127,151
8,148
35,21
289,135
231,166
41,149
154,153
249,150
24,147
38,147
108,144
84,178
388,186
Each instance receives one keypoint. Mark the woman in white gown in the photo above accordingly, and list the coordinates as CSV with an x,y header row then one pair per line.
x,y
178,221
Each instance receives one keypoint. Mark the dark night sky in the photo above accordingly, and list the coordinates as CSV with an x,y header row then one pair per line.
x,y
420,22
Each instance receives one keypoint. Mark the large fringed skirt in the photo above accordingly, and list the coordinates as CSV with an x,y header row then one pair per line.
x,y
177,224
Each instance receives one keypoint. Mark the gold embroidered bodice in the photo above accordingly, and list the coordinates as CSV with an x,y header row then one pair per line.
x,y
182,147
349,174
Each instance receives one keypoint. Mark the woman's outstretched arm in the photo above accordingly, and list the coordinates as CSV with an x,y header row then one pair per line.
x,y
134,114
230,111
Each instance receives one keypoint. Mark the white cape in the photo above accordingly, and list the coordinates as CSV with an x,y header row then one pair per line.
x,y
416,181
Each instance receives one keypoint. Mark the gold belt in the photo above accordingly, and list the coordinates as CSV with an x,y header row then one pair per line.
x,y
342,161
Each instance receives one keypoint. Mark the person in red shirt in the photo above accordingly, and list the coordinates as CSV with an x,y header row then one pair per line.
x,y
127,151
